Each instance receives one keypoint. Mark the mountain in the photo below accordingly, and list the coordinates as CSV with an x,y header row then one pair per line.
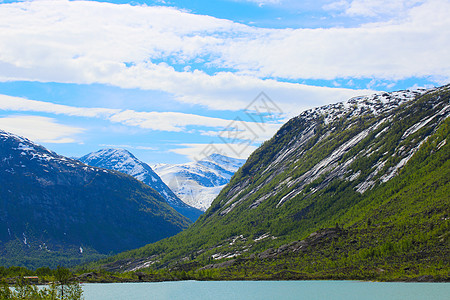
x,y
56,210
123,161
198,183
353,190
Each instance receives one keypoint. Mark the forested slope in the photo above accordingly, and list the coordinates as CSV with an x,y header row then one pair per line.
x,y
352,190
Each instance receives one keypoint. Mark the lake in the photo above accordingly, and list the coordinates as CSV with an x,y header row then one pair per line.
x,y
345,290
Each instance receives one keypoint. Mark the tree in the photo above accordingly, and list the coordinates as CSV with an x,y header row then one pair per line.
x,y
63,275
5,292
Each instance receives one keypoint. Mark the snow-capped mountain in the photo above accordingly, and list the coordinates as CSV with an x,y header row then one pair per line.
x,y
123,161
375,104
56,210
365,174
198,183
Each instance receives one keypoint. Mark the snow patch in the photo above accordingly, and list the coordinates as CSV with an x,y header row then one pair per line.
x,y
198,183
364,186
262,237
355,176
143,265
218,256
25,147
441,144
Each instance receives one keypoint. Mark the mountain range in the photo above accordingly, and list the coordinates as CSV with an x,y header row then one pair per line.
x,y
123,161
198,183
352,190
56,210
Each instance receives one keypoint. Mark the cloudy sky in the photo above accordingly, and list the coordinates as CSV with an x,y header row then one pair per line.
x,y
174,80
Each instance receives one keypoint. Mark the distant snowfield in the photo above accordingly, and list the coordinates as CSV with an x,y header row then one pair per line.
x,y
123,161
198,183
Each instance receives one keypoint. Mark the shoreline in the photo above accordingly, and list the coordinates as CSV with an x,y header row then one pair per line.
x,y
420,279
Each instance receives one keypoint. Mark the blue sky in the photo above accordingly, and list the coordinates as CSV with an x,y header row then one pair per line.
x,y
172,81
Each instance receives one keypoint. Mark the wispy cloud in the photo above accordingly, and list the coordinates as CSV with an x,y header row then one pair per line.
x,y
162,121
21,104
263,2
372,8
124,146
40,129
244,131
238,137
165,121
200,151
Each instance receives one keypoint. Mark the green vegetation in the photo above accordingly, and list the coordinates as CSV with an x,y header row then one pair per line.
x,y
57,211
59,281
396,229
365,198
15,253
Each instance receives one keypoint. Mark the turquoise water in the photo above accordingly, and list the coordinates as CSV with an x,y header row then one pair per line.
x,y
217,290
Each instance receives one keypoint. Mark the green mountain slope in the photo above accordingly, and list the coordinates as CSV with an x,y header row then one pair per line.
x,y
352,190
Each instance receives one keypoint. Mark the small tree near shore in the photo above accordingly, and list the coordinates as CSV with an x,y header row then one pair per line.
x,y
62,275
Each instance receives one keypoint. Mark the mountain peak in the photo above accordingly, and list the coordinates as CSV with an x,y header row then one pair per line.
x,y
355,182
198,183
29,150
107,152
124,161
53,205
220,158
375,104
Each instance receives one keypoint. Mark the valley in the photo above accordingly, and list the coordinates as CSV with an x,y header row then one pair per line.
x,y
341,191
354,190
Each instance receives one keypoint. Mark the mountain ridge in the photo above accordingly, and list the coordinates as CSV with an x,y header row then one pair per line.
x,y
56,210
198,183
370,184
124,161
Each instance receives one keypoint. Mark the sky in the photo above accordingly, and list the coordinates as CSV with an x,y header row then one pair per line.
x,y
174,81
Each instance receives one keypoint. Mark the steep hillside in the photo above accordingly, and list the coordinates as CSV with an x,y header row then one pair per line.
x,y
353,190
198,183
55,210
123,161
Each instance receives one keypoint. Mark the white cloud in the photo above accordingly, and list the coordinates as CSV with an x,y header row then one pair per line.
x,y
21,104
199,151
162,121
245,132
165,121
228,91
263,2
129,147
372,8
40,129
239,136
389,50
123,45
339,5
